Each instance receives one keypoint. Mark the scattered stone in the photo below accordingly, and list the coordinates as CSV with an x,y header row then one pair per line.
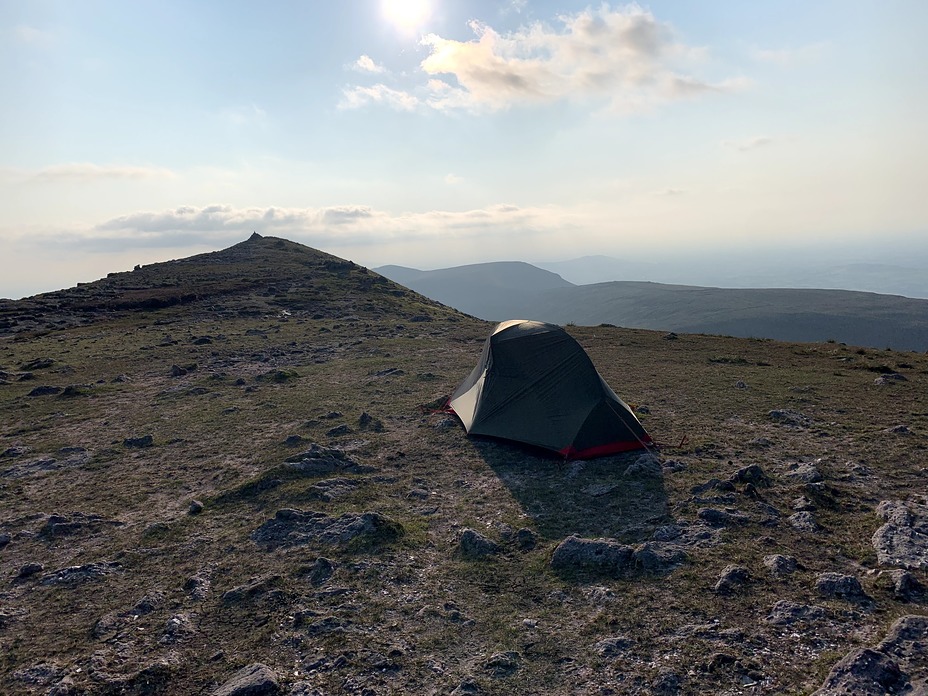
x,y
178,371
14,451
864,672
667,684
804,521
369,423
671,336
319,571
759,443
197,586
294,440
339,430
277,376
721,518
177,628
296,527
467,687
612,647
645,465
656,559
741,384
5,538
253,680
503,664
891,378
263,588
121,379
780,565
598,490
39,364
318,461
785,613
326,625
732,579
526,539
903,539
793,419
58,525
472,544
445,422
40,674
44,391
753,475
598,555
75,575
835,585
28,570
906,587
330,489
196,507
805,472
143,441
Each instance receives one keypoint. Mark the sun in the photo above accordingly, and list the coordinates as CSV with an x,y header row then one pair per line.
x,y
408,16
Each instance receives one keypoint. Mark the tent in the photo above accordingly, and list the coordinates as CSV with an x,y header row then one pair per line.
x,y
535,384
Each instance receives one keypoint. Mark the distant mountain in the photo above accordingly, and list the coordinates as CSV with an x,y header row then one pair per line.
x,y
601,269
500,291
495,291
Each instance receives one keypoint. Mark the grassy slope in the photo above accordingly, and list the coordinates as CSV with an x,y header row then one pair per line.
x,y
410,604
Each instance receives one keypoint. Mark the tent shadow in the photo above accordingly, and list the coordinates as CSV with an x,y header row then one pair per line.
x,y
593,498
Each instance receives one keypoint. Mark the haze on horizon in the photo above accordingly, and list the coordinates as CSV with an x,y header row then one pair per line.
x,y
432,133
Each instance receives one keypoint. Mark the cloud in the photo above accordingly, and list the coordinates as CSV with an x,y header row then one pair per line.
x,y
242,116
452,179
789,56
356,97
625,57
366,64
670,192
88,172
336,225
33,37
748,143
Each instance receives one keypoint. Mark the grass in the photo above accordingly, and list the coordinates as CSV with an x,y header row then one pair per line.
x,y
226,445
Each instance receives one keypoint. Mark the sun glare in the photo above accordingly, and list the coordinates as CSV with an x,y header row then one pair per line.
x,y
408,16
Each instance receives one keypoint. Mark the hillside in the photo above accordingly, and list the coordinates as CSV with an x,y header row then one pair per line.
x,y
494,291
227,475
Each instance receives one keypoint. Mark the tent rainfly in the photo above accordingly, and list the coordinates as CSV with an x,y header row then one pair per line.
x,y
535,384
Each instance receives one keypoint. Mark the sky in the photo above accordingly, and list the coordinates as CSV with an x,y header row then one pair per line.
x,y
432,133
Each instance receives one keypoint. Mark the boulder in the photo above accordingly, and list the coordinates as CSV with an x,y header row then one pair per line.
x,y
295,527
472,544
780,565
597,555
253,680
836,585
903,539
732,579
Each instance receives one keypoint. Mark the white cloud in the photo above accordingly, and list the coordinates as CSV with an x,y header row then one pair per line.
x,y
87,172
356,97
625,57
748,143
343,226
33,37
789,56
366,64
452,179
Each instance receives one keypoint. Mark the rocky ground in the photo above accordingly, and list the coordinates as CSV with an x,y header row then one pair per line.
x,y
231,474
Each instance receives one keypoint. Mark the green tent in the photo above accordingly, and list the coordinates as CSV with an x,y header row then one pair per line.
x,y
535,384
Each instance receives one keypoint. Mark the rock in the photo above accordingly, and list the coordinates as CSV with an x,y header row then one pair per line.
x,y
472,544
59,526
278,376
178,628
741,384
264,589
804,521
906,587
864,672
790,418
598,490
720,518
44,391
752,474
467,687
319,571
14,451
759,443
713,485
253,680
28,570
503,664
898,430
339,430
780,565
195,508
805,472
785,613
39,364
526,539
667,684
326,625
147,604
295,527
835,585
597,555
318,460
891,378
732,579
612,647
903,540
294,440
75,575
645,465
671,336
653,558
5,539
143,441
369,423
178,371
197,586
